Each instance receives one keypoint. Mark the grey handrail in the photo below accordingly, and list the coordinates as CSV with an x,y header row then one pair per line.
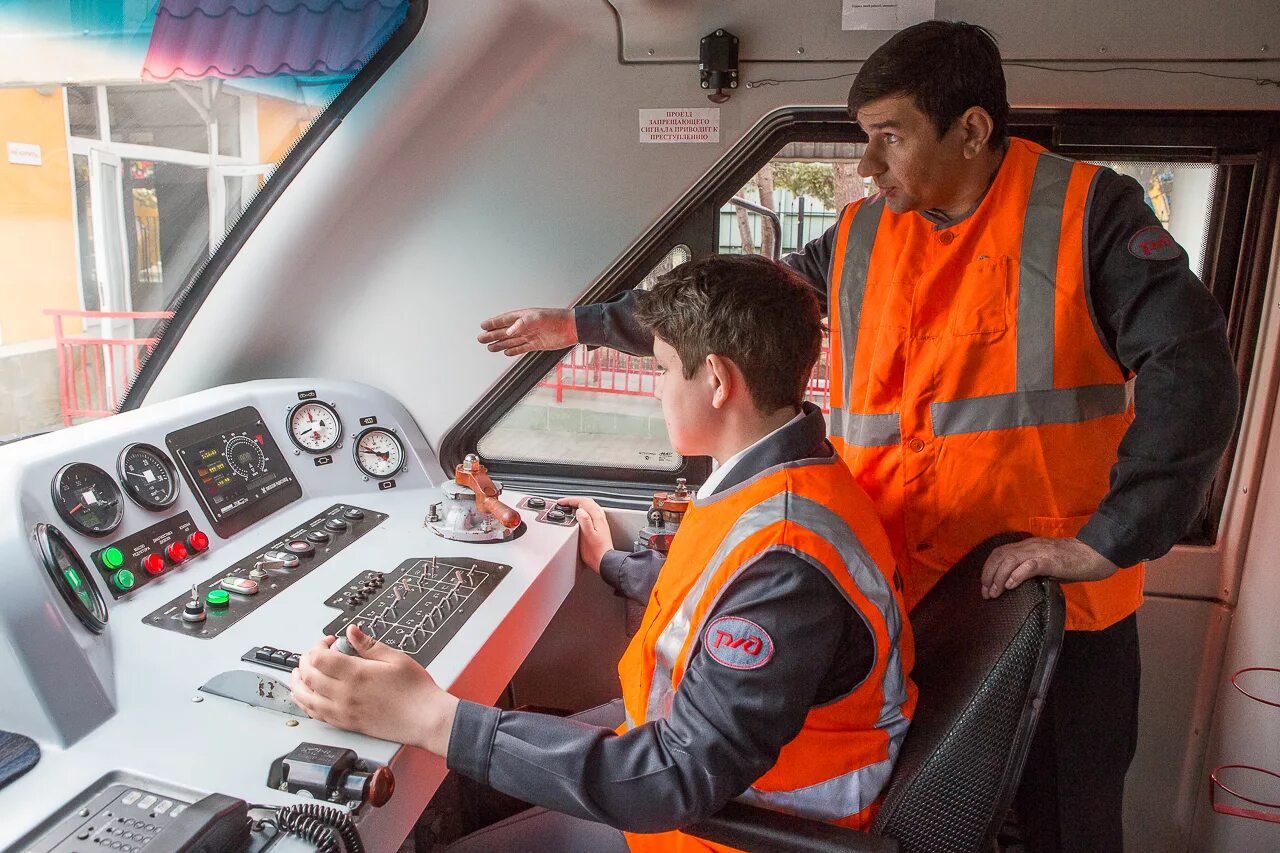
x,y
738,201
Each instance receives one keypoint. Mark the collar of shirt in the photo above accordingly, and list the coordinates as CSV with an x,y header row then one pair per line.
x,y
717,476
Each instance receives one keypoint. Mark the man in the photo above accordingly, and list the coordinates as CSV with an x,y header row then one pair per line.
x,y
773,662
989,306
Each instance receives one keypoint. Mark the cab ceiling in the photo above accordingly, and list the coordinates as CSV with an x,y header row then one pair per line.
x,y
658,30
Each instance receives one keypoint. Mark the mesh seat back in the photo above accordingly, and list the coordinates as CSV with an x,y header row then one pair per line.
x,y
982,669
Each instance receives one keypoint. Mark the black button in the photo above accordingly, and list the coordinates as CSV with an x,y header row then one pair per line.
x,y
337,525
318,536
299,546
355,513
556,515
279,656
294,660
535,503
264,653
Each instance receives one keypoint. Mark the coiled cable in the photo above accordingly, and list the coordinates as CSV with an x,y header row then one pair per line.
x,y
323,826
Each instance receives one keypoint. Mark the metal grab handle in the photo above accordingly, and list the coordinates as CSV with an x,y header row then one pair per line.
x,y
738,201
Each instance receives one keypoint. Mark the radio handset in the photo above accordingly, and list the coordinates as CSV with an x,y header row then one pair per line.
x,y
215,824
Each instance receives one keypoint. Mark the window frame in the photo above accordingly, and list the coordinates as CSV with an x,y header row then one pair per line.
x,y
189,299
1237,257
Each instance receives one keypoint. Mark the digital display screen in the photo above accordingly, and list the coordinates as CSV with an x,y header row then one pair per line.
x,y
235,467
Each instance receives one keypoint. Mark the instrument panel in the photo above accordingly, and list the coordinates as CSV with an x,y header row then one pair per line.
x,y
110,661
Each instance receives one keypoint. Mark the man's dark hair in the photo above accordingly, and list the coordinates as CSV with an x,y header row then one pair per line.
x,y
946,67
754,311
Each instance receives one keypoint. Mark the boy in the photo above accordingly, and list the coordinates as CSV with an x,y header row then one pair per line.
x,y
772,663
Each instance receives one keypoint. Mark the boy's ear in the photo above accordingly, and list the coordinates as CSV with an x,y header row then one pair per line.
x,y
722,376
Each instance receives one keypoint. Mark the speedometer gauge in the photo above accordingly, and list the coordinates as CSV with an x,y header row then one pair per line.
x,y
87,498
379,452
148,476
314,427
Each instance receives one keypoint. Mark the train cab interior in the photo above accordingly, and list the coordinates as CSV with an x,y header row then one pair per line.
x,y
246,247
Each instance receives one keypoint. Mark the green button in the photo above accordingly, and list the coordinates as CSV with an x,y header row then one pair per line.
x,y
123,579
217,597
73,578
112,558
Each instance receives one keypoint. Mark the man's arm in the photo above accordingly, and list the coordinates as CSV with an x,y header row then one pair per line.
x,y
1164,327
725,729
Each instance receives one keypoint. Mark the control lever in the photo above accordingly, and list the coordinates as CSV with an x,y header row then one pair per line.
x,y
475,476
332,773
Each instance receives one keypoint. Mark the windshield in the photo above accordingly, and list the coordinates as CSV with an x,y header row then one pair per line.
x,y
135,134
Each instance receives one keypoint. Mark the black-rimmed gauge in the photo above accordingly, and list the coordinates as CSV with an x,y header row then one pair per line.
x,y
314,427
72,578
148,476
87,498
379,452
245,456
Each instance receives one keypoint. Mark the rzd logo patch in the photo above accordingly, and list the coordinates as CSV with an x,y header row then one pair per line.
x,y
738,643
1153,243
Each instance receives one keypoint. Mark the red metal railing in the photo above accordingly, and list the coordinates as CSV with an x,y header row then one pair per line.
x,y
607,371
94,372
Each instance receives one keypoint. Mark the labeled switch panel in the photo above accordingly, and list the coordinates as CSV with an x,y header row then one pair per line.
x,y
224,599
158,550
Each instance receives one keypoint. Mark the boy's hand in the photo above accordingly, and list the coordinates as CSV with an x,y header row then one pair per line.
x,y
594,539
529,329
383,693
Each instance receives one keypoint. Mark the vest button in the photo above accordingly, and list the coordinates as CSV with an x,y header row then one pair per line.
x,y
916,444
946,237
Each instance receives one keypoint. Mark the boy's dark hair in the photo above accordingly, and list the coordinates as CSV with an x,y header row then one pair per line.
x,y
754,311
946,67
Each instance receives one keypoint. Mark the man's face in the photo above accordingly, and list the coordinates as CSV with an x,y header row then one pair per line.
x,y
686,403
909,163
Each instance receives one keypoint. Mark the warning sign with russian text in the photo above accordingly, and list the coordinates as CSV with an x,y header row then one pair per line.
x,y
680,125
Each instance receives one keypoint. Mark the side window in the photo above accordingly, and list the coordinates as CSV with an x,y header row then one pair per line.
x,y
806,185
1181,196
596,407
133,146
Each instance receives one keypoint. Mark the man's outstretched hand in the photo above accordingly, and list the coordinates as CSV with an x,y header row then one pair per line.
x,y
1064,559
529,330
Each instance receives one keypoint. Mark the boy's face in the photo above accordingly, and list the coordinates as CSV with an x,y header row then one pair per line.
x,y
686,403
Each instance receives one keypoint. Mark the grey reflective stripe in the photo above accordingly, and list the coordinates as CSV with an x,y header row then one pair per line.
x,y
1038,272
853,280
866,430
1029,408
631,724
833,799
673,636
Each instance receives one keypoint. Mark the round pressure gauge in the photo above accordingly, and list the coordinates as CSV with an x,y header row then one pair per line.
x,y
379,452
87,498
314,427
72,578
148,476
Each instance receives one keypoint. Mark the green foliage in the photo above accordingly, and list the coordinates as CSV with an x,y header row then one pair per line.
x,y
814,180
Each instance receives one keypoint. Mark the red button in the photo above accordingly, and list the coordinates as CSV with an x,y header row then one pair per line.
x,y
177,552
916,444
198,541
946,237
153,564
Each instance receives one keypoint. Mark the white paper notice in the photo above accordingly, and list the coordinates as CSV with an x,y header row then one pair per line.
x,y
25,154
885,14
688,125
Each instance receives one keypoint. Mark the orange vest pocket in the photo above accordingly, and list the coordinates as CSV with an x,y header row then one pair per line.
x,y
982,300
1057,528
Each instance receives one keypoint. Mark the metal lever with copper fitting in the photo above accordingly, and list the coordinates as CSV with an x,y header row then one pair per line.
x,y
475,476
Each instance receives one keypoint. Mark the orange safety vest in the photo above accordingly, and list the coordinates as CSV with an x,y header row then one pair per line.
x,y
973,394
836,768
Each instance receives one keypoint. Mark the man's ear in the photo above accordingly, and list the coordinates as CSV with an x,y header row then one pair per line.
x,y
977,126
724,380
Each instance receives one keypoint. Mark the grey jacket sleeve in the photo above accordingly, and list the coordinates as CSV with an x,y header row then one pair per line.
x,y
632,574
613,324
814,263
726,725
1163,326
